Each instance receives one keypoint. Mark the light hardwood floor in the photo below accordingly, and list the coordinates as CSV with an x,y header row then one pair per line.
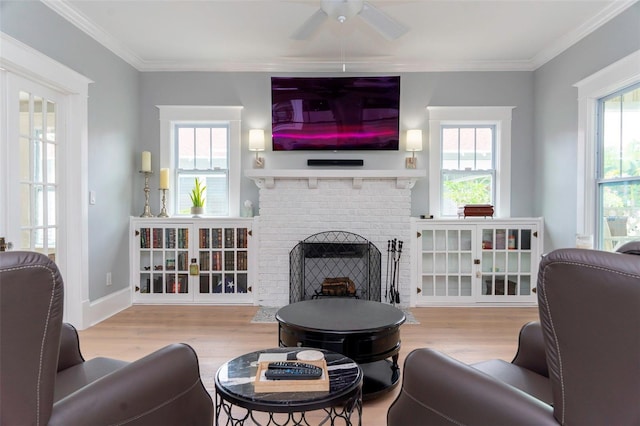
x,y
219,333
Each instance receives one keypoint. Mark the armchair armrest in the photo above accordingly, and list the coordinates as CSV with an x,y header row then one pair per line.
x,y
161,388
69,353
439,390
531,349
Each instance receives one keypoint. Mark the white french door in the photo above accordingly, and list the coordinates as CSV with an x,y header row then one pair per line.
x,y
35,131
43,165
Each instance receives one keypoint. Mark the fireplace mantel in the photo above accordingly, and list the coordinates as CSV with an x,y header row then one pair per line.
x,y
266,178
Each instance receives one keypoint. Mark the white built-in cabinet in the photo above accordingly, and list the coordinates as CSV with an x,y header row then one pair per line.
x,y
472,261
191,260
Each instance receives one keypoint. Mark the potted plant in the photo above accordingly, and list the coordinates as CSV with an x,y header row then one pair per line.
x,y
197,199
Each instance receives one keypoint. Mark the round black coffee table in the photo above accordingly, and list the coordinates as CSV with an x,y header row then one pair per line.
x,y
235,388
366,331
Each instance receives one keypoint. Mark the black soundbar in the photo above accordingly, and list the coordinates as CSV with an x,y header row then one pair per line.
x,y
343,162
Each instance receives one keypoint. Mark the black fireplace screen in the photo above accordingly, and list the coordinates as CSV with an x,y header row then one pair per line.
x,y
323,259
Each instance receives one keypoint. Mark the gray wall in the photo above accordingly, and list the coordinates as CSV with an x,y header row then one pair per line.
x,y
123,121
556,120
113,131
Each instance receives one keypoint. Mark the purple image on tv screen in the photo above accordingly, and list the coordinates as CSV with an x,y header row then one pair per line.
x,y
335,113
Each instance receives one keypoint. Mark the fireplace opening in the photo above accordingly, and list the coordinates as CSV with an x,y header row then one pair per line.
x,y
334,264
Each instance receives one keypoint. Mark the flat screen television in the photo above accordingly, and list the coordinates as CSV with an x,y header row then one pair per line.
x,y
335,113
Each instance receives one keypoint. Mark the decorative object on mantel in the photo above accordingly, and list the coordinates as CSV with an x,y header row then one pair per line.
x,y
256,143
197,199
482,210
247,209
164,186
414,143
146,170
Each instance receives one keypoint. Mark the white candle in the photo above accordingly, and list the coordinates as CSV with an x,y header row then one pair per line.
x,y
164,178
146,161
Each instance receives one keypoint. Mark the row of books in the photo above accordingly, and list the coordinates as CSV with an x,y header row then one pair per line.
x,y
213,238
153,237
215,262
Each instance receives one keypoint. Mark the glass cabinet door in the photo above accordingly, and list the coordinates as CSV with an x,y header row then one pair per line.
x,y
506,261
447,263
164,260
223,260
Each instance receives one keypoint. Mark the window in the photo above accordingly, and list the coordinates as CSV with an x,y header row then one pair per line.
x,y
618,168
601,175
202,142
202,153
467,166
469,158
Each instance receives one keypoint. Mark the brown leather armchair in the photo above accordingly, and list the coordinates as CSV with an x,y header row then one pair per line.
x,y
580,365
44,380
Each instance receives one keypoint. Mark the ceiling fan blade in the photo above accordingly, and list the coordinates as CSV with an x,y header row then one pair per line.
x,y
310,25
383,23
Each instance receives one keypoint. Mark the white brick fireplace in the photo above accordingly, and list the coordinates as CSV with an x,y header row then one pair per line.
x,y
295,204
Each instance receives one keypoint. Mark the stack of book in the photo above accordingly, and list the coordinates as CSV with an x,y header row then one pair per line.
x,y
475,210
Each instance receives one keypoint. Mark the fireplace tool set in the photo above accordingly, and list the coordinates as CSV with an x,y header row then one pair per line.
x,y
394,251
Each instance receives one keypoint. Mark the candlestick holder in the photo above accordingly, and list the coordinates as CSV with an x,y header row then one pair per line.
x,y
147,209
163,210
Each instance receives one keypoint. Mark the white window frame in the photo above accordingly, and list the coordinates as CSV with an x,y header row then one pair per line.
x,y
500,117
614,77
184,114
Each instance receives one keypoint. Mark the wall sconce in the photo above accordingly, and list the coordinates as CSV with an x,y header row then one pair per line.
x,y
414,143
256,143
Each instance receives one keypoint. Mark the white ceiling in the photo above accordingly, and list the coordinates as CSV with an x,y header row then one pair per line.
x,y
255,35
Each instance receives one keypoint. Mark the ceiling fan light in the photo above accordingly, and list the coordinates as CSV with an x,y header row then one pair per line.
x,y
342,8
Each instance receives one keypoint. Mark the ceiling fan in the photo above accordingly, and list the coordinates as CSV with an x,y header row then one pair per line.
x,y
342,10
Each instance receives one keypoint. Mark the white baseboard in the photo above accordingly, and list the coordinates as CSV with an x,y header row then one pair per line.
x,y
105,307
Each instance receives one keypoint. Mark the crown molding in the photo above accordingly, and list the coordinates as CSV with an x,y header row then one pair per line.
x,y
75,17
562,44
292,64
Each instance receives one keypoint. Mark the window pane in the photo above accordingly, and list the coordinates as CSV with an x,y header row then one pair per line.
x,y
25,157
450,148
51,163
38,161
203,148
220,147
216,202
37,117
611,138
630,137
25,205
24,114
484,148
467,148
620,213
51,121
186,147
459,189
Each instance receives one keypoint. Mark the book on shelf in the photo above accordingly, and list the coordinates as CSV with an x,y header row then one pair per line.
x,y
228,238
145,238
229,261
216,238
157,238
242,261
216,258
204,238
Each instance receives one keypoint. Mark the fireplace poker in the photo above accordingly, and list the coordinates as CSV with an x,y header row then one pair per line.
x,y
397,273
392,290
386,284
